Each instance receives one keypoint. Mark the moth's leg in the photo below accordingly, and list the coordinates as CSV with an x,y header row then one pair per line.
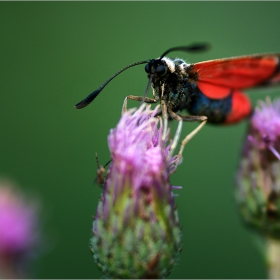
x,y
174,116
181,118
164,110
193,118
202,119
137,98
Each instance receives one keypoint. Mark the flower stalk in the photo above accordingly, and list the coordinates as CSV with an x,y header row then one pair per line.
x,y
273,258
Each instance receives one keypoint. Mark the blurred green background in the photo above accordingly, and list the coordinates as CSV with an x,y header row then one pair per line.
x,y
55,53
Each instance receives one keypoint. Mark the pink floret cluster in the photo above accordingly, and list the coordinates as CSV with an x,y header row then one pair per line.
x,y
18,222
266,119
136,145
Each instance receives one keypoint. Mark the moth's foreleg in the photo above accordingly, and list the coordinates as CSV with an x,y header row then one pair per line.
x,y
137,98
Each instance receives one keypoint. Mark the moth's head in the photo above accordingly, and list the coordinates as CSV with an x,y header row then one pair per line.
x,y
156,67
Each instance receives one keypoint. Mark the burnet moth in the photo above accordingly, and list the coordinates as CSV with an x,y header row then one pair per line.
x,y
210,90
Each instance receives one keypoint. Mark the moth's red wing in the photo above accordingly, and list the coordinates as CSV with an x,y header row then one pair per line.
x,y
213,91
236,73
241,107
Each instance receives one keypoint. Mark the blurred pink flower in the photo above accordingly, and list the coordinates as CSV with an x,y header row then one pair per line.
x,y
265,127
266,119
18,230
258,190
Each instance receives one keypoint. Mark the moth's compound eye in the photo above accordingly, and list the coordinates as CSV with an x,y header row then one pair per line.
x,y
160,69
148,68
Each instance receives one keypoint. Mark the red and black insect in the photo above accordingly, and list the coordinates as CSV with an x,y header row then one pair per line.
x,y
211,88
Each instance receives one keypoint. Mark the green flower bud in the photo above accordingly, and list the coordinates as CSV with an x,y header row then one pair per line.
x,y
136,232
258,194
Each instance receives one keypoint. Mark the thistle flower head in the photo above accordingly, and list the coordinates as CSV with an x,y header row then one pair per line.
x,y
259,176
266,122
136,230
18,230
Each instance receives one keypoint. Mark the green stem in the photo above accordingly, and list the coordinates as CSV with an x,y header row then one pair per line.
x,y
273,257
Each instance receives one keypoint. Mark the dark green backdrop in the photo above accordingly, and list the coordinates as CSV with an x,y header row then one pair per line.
x,y
54,53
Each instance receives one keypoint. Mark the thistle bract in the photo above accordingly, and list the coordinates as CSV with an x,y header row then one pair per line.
x,y
259,171
136,231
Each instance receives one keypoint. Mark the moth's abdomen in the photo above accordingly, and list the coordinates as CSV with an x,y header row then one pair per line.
x,y
216,110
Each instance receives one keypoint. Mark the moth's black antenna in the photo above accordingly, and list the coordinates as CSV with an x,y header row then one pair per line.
x,y
191,48
94,94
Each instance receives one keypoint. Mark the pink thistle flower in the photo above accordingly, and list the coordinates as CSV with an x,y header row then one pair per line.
x,y
258,176
266,121
18,230
136,231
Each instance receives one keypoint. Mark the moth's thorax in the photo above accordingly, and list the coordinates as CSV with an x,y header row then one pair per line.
x,y
177,65
174,85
